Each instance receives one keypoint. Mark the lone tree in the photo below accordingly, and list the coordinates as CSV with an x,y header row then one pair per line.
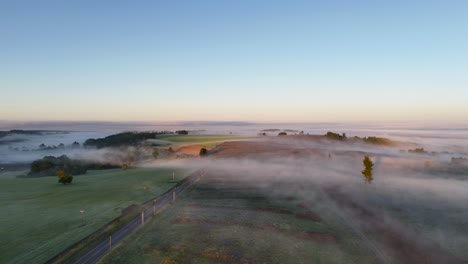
x,y
203,151
367,172
64,177
126,165
155,153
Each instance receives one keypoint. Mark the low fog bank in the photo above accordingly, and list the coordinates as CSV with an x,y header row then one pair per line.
x,y
391,174
20,148
421,201
439,144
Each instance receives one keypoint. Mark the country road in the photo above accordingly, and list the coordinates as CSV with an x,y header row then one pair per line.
x,y
93,255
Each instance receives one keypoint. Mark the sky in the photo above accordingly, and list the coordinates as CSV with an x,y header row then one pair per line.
x,y
245,60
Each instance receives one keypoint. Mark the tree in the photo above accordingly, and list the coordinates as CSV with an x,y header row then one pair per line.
x,y
182,132
334,136
75,144
367,172
282,134
41,165
155,153
64,177
203,151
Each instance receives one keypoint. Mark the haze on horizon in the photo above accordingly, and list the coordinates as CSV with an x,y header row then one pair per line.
x,y
264,61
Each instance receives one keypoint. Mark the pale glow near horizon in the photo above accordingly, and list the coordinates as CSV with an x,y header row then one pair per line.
x,y
239,61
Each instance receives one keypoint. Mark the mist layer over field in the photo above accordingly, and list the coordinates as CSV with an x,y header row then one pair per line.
x,y
416,203
418,198
20,148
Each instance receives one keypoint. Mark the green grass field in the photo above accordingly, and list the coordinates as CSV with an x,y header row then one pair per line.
x,y
225,223
39,217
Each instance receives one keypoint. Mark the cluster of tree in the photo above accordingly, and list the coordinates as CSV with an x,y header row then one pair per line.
x,y
377,140
123,139
44,147
335,136
417,151
459,161
282,134
21,132
369,140
50,165
182,132
17,148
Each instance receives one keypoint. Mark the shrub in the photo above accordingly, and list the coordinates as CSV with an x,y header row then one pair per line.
x,y
203,151
155,153
182,132
64,177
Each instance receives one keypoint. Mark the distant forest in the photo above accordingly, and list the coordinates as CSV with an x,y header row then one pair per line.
x,y
123,139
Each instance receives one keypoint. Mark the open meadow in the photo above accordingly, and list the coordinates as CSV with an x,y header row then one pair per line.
x,y
40,217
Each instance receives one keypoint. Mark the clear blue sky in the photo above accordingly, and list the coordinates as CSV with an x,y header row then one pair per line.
x,y
286,61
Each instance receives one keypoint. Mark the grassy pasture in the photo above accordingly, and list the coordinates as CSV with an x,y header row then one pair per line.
x,y
39,217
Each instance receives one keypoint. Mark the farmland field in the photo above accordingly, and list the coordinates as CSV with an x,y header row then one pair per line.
x,y
40,218
235,222
199,139
277,201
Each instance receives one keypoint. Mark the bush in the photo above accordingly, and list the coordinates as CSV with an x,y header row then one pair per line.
x,y
64,177
155,153
182,132
203,151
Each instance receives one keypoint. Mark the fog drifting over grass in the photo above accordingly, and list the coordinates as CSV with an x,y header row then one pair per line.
x,y
434,138
427,197
423,203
